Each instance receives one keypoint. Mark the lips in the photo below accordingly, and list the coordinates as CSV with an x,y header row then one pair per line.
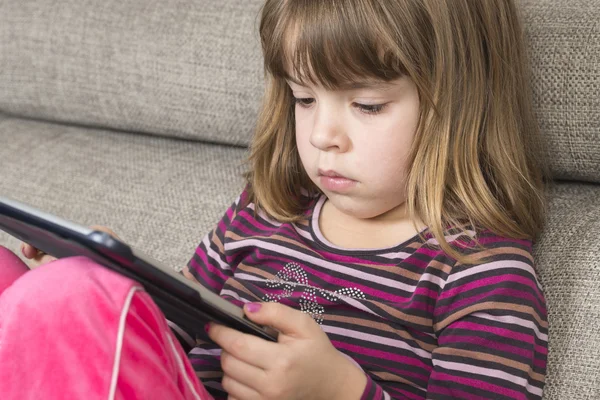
x,y
331,174
335,182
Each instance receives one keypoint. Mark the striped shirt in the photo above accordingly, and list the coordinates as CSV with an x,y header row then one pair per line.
x,y
419,324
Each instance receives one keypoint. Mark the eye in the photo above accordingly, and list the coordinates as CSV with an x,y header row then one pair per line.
x,y
370,109
304,102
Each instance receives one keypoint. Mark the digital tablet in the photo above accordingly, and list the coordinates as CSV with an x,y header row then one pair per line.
x,y
186,303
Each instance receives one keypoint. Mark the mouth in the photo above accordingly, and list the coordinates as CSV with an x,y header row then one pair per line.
x,y
331,174
335,182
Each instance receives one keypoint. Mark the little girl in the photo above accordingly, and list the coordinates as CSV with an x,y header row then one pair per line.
x,y
385,230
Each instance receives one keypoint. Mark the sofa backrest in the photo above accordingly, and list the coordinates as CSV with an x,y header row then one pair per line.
x,y
193,69
564,45
184,68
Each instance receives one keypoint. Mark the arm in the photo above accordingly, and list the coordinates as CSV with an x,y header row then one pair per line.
x,y
492,332
209,267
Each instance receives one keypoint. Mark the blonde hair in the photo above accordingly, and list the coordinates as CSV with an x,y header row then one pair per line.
x,y
475,160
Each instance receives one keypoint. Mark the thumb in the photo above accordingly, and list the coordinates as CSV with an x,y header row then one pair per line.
x,y
282,318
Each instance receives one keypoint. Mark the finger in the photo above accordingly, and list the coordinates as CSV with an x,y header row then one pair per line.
x,y
29,251
283,318
104,229
244,373
245,347
238,390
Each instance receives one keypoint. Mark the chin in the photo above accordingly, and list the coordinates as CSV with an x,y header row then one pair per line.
x,y
357,208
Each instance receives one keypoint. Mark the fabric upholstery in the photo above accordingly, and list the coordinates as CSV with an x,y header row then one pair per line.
x,y
183,68
564,46
568,260
160,195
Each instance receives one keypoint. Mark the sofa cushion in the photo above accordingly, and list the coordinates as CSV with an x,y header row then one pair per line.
x,y
568,260
185,68
564,46
161,195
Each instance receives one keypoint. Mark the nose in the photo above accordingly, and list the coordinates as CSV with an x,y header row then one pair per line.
x,y
329,133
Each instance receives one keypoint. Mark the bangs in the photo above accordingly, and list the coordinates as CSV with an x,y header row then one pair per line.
x,y
323,42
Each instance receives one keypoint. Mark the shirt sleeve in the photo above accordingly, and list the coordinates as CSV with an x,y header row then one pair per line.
x,y
210,267
492,329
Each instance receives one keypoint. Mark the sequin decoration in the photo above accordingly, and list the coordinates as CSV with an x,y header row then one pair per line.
x,y
292,276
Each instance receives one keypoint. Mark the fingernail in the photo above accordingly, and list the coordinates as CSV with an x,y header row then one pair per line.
x,y
207,327
253,307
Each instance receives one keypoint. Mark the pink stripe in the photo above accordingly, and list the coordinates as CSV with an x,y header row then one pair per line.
x,y
452,392
512,295
494,280
478,384
383,354
495,239
445,340
210,262
208,280
401,394
540,363
495,330
418,379
261,228
428,251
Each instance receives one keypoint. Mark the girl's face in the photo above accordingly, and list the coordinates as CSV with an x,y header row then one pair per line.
x,y
354,142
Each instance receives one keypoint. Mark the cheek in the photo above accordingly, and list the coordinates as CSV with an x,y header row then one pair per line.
x,y
302,134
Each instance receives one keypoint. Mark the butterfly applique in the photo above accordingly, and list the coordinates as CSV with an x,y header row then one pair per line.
x,y
292,276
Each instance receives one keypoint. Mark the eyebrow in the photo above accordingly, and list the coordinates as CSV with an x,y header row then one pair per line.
x,y
375,85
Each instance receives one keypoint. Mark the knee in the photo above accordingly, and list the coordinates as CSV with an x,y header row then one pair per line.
x,y
74,282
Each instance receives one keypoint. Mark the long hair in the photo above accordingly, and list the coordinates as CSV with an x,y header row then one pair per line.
x,y
476,157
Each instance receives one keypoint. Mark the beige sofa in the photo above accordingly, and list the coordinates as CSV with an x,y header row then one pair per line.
x,y
136,114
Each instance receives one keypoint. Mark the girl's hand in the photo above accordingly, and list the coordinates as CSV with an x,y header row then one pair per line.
x,y
303,364
38,257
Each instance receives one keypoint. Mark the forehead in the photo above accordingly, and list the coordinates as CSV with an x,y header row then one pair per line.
x,y
367,83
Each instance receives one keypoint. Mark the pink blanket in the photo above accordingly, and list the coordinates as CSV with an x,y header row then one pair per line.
x,y
72,329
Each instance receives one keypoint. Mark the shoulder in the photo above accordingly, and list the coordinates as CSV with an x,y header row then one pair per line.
x,y
498,261
503,282
503,266
484,246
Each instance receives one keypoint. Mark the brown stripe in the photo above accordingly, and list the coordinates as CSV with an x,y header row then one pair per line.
x,y
215,239
303,222
389,377
256,271
285,239
186,272
241,288
490,305
426,322
503,250
380,326
414,276
491,358
440,266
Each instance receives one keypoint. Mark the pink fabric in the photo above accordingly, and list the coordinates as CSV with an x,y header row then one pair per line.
x,y
72,329
11,268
